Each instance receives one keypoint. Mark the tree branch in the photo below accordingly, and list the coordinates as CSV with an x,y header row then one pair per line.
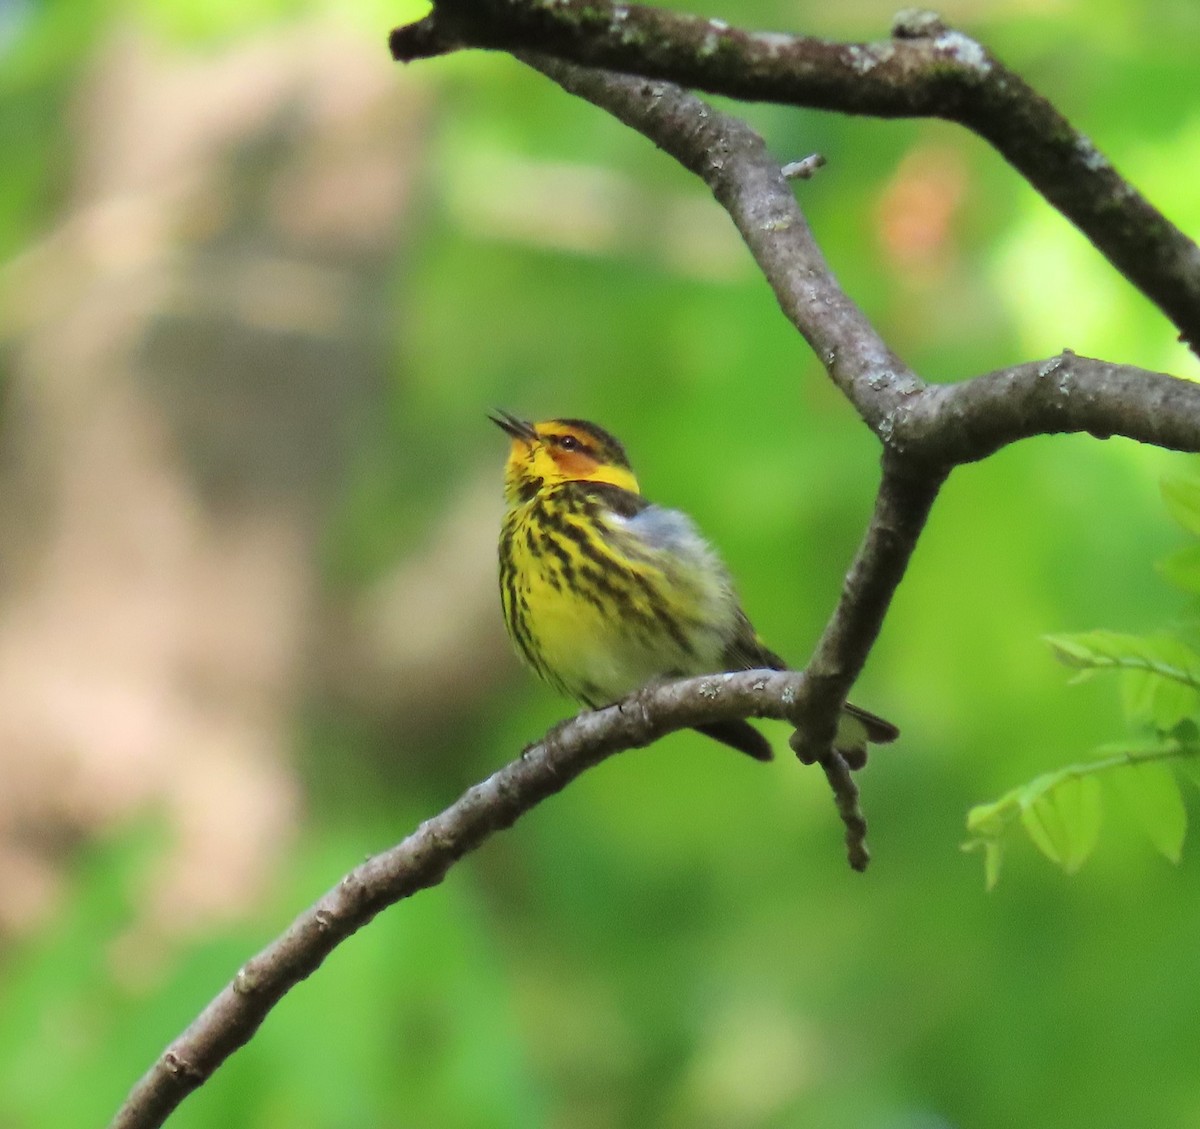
x,y
906,495
423,859
748,182
925,70
965,422
925,429
931,427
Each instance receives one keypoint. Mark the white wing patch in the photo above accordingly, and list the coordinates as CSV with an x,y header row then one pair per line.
x,y
688,560
669,531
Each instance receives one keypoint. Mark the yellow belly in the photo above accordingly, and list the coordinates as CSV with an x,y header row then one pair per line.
x,y
597,655
597,635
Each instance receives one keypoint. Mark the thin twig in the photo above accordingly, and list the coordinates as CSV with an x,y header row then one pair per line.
x,y
845,792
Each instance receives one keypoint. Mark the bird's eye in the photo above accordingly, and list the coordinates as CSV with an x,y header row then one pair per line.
x,y
569,443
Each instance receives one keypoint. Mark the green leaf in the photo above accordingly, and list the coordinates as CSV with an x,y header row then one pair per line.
x,y
1162,673
1164,655
1181,492
1189,765
988,824
1044,828
993,856
1149,699
988,820
1061,814
1084,650
1152,791
1182,568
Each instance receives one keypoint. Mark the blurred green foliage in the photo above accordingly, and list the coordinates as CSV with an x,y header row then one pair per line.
x,y
1061,810
676,940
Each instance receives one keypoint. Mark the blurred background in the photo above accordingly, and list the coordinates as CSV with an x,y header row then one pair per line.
x,y
259,287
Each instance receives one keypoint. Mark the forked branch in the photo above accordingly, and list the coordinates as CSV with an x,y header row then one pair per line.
x,y
925,70
925,430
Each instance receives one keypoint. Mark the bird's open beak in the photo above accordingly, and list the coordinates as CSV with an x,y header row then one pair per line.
x,y
517,428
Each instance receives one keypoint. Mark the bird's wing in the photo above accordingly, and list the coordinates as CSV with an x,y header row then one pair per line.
x,y
662,531
746,651
673,532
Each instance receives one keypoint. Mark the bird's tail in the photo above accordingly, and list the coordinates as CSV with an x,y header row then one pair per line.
x,y
740,735
856,729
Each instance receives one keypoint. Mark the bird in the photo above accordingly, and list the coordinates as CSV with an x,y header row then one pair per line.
x,y
605,592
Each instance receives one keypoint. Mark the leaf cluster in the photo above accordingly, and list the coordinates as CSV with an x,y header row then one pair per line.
x,y
1061,811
